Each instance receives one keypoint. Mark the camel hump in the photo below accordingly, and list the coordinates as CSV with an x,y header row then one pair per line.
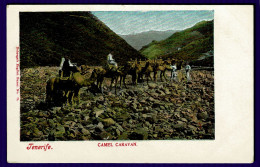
x,y
78,78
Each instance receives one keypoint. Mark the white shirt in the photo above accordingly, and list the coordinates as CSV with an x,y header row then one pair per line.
x,y
174,68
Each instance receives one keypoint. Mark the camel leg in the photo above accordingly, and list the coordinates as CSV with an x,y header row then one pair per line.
x,y
150,76
136,78
121,81
155,76
76,97
141,77
115,85
147,78
164,75
133,79
164,72
124,81
68,97
72,98
161,76
100,84
112,80
48,94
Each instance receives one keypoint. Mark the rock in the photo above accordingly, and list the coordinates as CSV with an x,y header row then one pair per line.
x,y
134,106
100,126
146,109
148,124
162,107
51,123
86,118
61,128
179,125
80,126
85,131
97,112
166,91
99,98
116,103
124,136
77,110
152,85
108,121
139,134
117,132
142,101
193,128
151,99
203,115
152,119
91,126
154,94
160,86
100,106
119,127
207,103
184,120
105,136
131,93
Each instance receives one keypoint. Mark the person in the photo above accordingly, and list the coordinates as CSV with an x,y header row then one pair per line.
x,y
111,62
188,69
65,67
174,72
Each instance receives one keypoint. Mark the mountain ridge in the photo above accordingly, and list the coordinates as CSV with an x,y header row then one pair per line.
x,y
188,44
138,40
45,37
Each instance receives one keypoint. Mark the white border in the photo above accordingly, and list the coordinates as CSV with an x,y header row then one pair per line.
x,y
233,41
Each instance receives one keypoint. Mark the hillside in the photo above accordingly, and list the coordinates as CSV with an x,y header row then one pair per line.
x,y
139,40
45,37
188,44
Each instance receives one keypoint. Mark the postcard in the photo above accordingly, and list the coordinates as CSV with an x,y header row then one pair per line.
x,y
130,83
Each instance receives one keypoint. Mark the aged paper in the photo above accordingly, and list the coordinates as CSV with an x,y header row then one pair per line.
x,y
233,48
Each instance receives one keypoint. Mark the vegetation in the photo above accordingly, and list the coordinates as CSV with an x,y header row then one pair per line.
x,y
45,37
188,44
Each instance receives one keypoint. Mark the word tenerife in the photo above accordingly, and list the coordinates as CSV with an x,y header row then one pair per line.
x,y
44,147
116,144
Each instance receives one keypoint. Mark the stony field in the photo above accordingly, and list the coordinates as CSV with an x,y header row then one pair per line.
x,y
157,111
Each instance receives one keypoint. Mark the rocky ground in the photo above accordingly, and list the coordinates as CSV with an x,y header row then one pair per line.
x,y
157,111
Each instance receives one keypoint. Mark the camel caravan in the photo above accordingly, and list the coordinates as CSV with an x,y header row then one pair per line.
x,y
65,87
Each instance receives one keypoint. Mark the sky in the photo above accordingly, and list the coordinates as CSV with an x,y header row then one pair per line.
x,y
132,22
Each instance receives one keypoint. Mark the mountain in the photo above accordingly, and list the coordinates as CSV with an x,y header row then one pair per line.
x,y
188,44
45,37
139,40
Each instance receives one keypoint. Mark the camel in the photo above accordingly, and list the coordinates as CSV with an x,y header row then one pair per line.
x,y
137,69
84,69
123,71
146,70
106,73
130,68
162,67
56,90
61,89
